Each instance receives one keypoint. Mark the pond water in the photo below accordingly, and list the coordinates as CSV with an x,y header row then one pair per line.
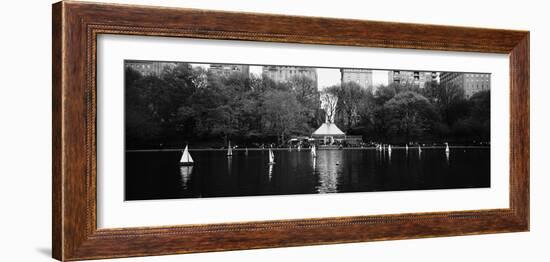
x,y
158,175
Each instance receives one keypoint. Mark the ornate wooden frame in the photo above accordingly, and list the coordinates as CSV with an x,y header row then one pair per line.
x,y
76,26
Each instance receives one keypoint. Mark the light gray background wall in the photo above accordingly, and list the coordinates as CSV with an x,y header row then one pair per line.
x,y
25,150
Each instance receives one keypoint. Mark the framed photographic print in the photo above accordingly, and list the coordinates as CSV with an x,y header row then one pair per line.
x,y
182,130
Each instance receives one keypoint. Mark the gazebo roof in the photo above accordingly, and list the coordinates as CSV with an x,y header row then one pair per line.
x,y
328,129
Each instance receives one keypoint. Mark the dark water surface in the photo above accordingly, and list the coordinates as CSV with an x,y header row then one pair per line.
x,y
157,175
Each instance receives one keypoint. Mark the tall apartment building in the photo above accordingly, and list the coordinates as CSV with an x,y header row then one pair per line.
x,y
149,68
416,78
470,82
285,73
363,77
228,69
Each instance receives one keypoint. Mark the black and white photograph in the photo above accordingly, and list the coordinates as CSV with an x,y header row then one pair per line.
x,y
275,130
202,130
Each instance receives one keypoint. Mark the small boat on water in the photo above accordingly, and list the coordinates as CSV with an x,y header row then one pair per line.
x,y
271,157
389,149
447,150
229,150
186,159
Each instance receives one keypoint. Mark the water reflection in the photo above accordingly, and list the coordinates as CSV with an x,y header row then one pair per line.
x,y
270,172
157,175
185,172
330,167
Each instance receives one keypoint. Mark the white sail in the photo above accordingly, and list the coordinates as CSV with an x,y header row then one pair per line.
x,y
229,150
271,157
186,157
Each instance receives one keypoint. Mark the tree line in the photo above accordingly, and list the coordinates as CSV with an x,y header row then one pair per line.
x,y
191,105
188,104
402,114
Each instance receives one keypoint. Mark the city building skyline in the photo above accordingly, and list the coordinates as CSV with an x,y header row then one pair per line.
x,y
471,83
148,68
227,69
362,77
409,77
286,73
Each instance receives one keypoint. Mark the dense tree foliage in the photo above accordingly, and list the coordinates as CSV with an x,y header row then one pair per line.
x,y
192,105
409,115
405,113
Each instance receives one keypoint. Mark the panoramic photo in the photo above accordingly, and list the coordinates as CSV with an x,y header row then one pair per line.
x,y
201,130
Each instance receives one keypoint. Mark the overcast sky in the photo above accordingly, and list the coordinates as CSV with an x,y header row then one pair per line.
x,y
325,76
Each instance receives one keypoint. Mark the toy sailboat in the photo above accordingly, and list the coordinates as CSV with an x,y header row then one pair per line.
x,y
229,150
186,159
271,157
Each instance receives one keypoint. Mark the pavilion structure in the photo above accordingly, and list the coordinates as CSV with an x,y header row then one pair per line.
x,y
328,133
